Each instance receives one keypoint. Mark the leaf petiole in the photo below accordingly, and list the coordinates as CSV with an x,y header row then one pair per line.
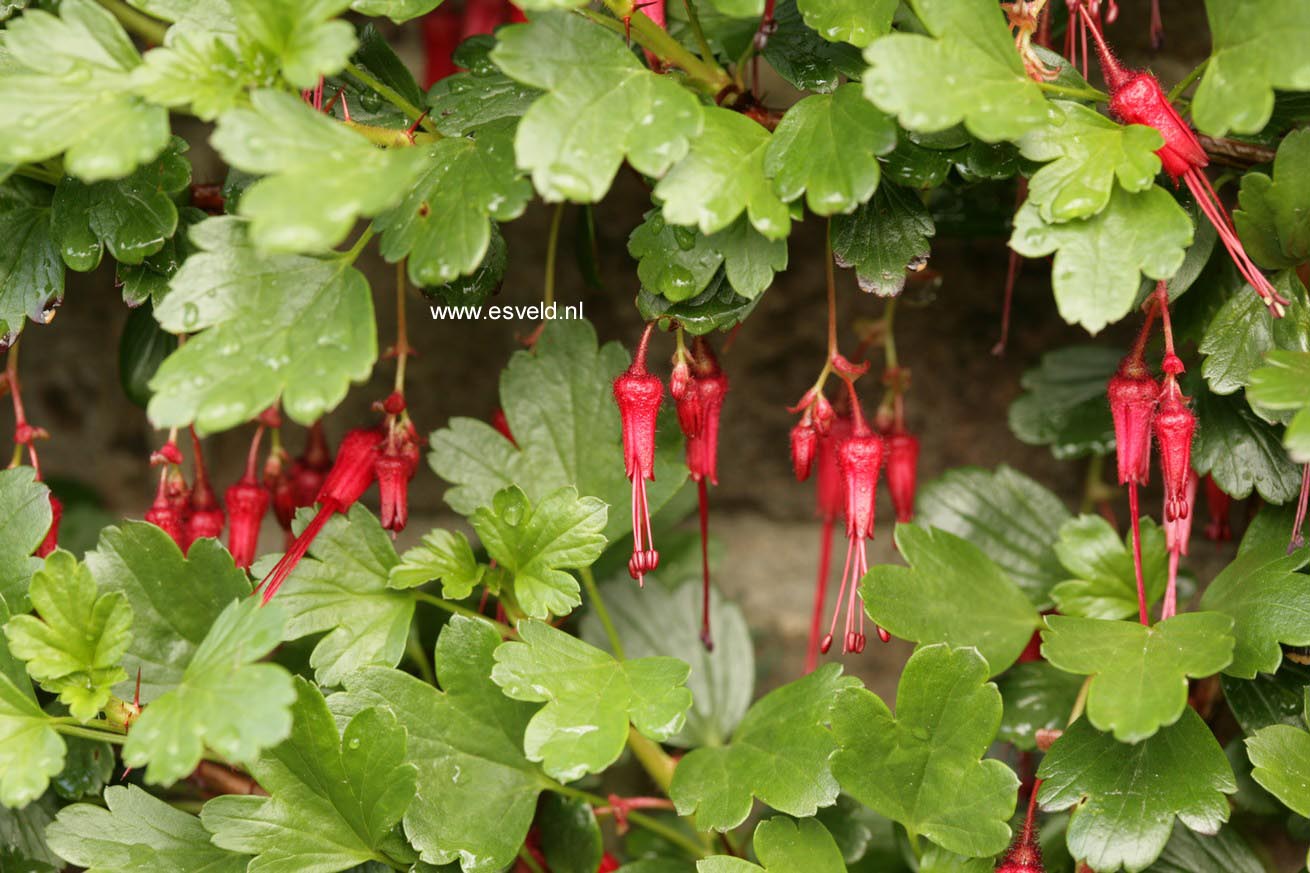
x,y
393,97
1075,93
503,629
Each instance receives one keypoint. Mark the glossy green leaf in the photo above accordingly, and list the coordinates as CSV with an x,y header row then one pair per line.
x,y
779,753
1104,583
965,69
1099,261
723,176
73,644
80,64
857,22
1188,851
718,307
442,555
826,148
1084,154
467,740
137,833
803,58
1280,755
268,326
148,280
951,593
923,767
224,702
1037,697
570,837
1271,221
1139,674
23,836
1125,798
679,263
883,238
24,520
1268,699
1283,384
1252,54
1011,518
88,768
31,752
590,697
1239,449
784,845
300,34
1063,405
602,105
31,272
333,798
483,94
1243,331
559,404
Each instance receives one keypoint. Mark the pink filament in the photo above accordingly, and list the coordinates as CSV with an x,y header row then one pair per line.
x,y
1208,201
820,594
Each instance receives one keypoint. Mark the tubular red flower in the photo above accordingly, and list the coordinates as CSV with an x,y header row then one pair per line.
x,y
281,488
206,516
902,472
311,468
166,516
638,395
396,463
247,502
804,443
1133,396
830,497
1174,426
1217,504
51,541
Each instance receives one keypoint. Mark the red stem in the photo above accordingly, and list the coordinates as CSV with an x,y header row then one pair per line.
x,y
1162,295
703,499
820,594
1137,554
1298,540
639,359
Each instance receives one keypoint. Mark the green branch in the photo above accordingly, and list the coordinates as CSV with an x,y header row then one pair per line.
x,y
598,604
649,35
501,628
1088,93
392,96
152,30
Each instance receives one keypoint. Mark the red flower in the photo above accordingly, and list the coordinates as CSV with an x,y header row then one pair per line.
x,y
51,541
206,516
247,502
282,488
1218,504
902,472
638,395
311,468
1133,397
1174,426
804,443
396,463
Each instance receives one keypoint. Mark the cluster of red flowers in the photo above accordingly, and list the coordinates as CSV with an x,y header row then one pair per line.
x,y
185,511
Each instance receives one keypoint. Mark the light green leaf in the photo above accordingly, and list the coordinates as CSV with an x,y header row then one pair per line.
x,y
1272,220
1283,384
857,22
590,698
31,272
333,798
211,15
780,753
269,326
1139,674
784,846
203,71
398,11
441,555
951,593
443,224
24,520
31,752
923,767
602,106
723,176
536,543
1243,330
679,263
1255,50
965,70
1238,448
826,147
1087,153
343,587
883,238
1011,518
318,176
1099,261
559,404
79,65
1280,758
138,833
1105,583
174,600
1125,798
299,34
74,644
225,701
1037,697
467,741
1063,405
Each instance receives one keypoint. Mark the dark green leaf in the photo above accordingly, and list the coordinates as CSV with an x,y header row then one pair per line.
x,y
1240,450
1187,852
883,238
141,349
1272,222
1268,699
718,307
679,263
570,838
1064,403
31,273
1243,330
1037,696
803,57
466,101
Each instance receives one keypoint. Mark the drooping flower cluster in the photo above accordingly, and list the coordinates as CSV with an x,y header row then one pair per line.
x,y
186,512
638,394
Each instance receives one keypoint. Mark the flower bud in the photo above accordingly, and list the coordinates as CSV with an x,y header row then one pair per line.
x,y
902,472
281,489
246,504
1174,426
309,471
396,463
1133,396
804,443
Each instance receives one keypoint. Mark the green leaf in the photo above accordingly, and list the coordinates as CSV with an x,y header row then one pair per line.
x,y
333,798
1250,57
1105,583
300,35
1266,597
444,223
803,58
485,280
74,646
590,698
23,831
1125,798
559,404
137,834
1011,518
722,176
780,753
319,176
1063,405
1139,674
467,741
923,767
951,593
679,263
536,543
883,238
269,326
24,520
784,846
804,155
343,587
88,768
570,837
1240,450
31,752
718,307
1272,221
1037,697
466,101
1268,699
174,600
656,621
398,11
80,65
1227,850
964,70
224,702
1280,758
1099,261
31,273
1244,330
602,106
1087,153
1283,384
442,555
203,71
857,22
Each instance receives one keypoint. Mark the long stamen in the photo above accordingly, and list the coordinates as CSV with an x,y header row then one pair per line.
x,y
820,594
841,595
